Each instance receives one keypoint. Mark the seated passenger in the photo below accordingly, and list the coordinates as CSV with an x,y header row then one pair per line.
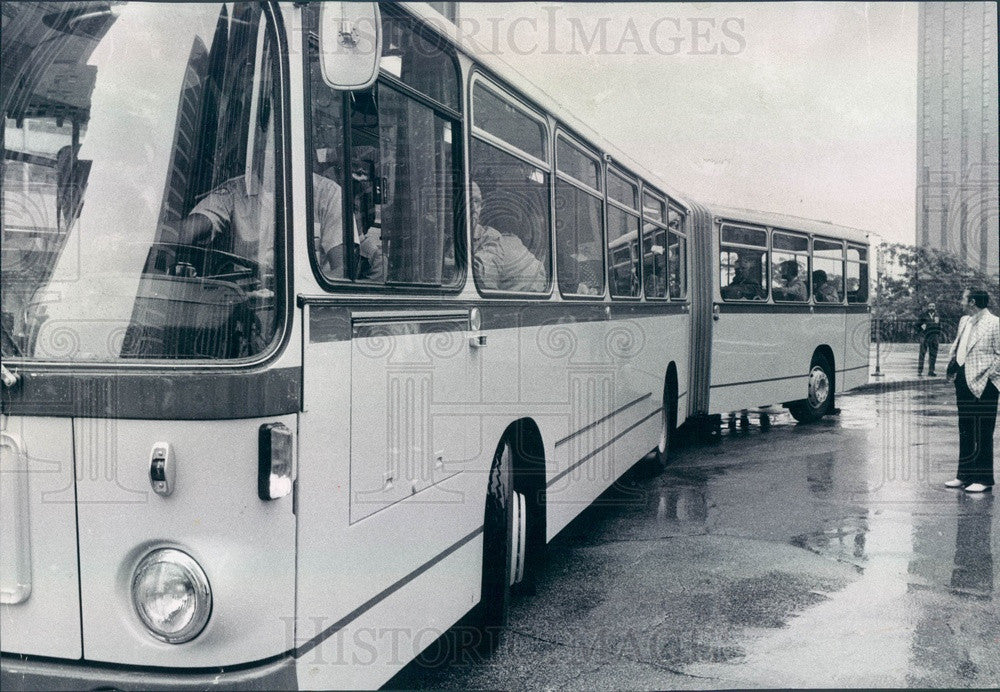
x,y
792,287
743,286
823,290
500,261
369,261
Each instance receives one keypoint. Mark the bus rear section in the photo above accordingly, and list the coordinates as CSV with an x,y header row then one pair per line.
x,y
784,317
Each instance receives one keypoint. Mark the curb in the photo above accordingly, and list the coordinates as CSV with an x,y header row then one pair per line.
x,y
896,385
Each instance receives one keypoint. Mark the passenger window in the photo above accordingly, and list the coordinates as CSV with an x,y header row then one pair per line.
x,y
624,257
789,268
857,274
398,155
492,114
676,255
510,200
654,246
577,164
742,263
828,271
579,244
419,63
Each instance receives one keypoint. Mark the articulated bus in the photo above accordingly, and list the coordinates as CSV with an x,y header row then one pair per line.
x,y
317,326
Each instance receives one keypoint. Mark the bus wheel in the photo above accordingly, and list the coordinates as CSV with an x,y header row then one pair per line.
x,y
819,401
668,427
504,549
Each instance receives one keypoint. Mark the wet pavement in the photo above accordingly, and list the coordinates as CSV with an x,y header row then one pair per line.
x,y
801,556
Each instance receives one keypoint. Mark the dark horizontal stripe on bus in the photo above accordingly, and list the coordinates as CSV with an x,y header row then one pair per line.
x,y
778,379
857,367
174,395
604,446
602,419
766,379
381,596
334,321
774,309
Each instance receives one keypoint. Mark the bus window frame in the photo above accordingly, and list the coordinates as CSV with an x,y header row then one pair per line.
x,y
456,118
663,225
808,253
850,244
512,98
561,132
843,269
675,206
613,169
722,223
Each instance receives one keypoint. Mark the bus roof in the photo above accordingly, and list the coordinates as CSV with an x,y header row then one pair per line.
x,y
513,77
787,222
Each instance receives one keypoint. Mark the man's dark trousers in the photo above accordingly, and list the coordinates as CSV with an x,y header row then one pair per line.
x,y
928,345
977,419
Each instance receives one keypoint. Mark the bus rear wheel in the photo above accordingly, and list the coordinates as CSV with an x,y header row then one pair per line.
x,y
505,535
819,399
668,425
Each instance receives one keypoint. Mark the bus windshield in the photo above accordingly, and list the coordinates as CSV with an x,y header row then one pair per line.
x,y
138,182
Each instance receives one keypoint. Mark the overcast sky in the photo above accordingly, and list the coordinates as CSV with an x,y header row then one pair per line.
x,y
800,108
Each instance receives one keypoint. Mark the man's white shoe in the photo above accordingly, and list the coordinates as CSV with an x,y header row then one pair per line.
x,y
954,483
976,488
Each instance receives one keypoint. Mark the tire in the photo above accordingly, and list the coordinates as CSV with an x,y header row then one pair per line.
x,y
668,428
504,550
819,399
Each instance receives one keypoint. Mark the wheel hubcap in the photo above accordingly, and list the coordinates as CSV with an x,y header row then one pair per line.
x,y
662,447
819,387
518,536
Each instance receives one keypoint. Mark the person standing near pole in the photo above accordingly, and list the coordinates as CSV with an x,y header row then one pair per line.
x,y
929,333
975,365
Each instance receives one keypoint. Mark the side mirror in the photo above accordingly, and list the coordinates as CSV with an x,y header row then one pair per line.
x,y
350,44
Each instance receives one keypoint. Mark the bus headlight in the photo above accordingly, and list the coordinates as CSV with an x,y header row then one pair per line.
x,y
171,595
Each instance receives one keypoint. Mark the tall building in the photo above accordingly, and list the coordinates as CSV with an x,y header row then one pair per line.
x,y
957,174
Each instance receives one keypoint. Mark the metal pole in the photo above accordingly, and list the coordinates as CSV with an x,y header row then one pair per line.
x,y
878,315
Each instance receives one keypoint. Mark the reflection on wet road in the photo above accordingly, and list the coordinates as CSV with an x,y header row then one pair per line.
x,y
827,555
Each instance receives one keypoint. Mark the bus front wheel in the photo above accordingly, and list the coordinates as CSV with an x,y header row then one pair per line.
x,y
819,399
504,549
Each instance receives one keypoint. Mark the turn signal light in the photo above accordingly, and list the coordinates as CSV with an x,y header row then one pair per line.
x,y
276,461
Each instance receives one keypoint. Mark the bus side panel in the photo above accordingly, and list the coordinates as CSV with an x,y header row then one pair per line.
x,y
38,539
378,592
245,545
379,581
612,410
856,351
761,358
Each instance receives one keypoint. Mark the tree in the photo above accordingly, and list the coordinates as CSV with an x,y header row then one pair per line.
x,y
915,276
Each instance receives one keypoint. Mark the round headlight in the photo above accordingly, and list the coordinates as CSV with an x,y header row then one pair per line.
x,y
171,595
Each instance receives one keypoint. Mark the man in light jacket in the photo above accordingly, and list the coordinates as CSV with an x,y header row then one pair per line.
x,y
975,364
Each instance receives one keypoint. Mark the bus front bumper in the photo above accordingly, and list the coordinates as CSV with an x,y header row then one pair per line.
x,y
29,673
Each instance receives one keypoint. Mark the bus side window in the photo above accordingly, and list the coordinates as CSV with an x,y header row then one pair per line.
x,y
654,247
676,255
624,257
789,267
510,192
743,263
403,154
579,220
857,274
828,271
